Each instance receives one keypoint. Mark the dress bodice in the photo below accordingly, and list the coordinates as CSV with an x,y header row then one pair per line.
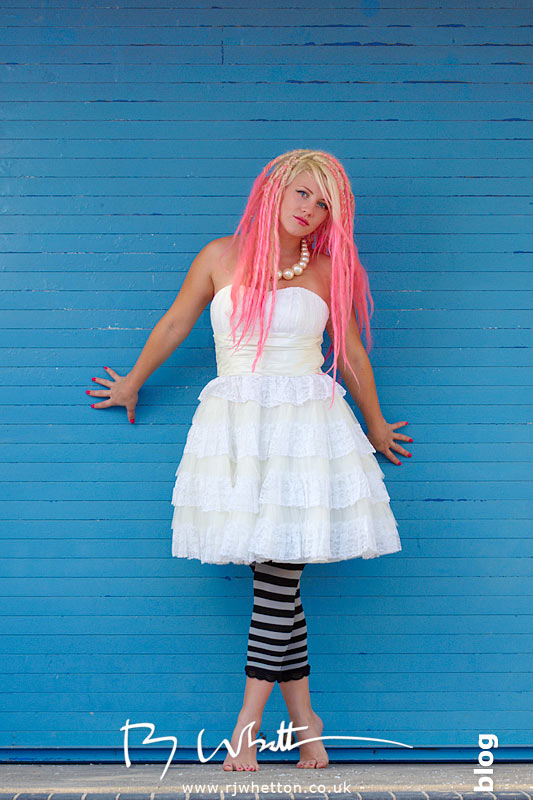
x,y
294,341
289,370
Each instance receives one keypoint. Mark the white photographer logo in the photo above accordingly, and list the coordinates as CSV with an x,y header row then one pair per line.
x,y
485,759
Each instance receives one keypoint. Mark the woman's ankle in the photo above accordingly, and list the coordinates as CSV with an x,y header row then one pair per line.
x,y
248,714
303,715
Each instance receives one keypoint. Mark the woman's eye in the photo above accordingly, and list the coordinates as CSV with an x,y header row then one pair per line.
x,y
304,192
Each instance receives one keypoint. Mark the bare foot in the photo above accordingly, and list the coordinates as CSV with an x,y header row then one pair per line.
x,y
313,754
246,757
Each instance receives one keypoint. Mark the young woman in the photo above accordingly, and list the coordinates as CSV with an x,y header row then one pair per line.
x,y
276,471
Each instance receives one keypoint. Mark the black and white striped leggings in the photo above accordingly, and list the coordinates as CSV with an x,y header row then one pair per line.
x,y
277,640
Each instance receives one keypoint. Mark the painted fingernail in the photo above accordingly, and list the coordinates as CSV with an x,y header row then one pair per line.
x,y
409,440
409,455
132,420
93,379
92,405
106,367
87,391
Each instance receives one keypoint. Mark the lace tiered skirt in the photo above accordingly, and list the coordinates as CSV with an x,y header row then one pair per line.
x,y
271,471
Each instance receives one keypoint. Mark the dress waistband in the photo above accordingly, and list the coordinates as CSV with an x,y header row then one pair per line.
x,y
282,354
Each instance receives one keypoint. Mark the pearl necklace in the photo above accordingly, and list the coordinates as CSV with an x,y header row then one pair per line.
x,y
298,268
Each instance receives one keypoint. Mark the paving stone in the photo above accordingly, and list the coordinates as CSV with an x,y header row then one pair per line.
x,y
376,795
174,796
477,795
132,796
276,796
101,795
525,795
33,795
206,795
413,794
66,796
317,796
437,794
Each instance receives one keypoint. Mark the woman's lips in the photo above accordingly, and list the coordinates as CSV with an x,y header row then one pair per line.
x,y
301,221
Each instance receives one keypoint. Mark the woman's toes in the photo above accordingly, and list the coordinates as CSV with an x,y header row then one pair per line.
x,y
314,764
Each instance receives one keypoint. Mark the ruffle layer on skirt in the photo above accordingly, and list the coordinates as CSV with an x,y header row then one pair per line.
x,y
270,390
283,480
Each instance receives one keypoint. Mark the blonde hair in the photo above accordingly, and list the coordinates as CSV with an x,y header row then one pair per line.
x,y
258,248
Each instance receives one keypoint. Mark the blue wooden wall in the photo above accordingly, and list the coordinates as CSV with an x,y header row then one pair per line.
x,y
130,137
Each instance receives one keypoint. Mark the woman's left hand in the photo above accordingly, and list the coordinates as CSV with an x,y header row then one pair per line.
x,y
382,437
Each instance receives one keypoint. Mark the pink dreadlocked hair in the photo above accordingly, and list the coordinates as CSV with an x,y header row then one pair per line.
x,y
258,249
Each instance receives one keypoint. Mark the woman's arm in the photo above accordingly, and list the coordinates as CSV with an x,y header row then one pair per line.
x,y
365,395
171,330
381,434
176,324
160,345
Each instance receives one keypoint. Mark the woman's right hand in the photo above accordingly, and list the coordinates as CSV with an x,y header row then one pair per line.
x,y
120,393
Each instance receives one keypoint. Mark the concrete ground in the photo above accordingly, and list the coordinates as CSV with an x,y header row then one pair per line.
x,y
278,781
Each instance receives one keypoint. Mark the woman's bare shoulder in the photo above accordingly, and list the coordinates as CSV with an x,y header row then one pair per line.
x,y
223,260
220,243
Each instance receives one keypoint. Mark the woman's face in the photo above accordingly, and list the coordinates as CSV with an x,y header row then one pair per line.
x,y
302,198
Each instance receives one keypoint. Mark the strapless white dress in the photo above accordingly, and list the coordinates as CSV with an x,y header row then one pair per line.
x,y
269,470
